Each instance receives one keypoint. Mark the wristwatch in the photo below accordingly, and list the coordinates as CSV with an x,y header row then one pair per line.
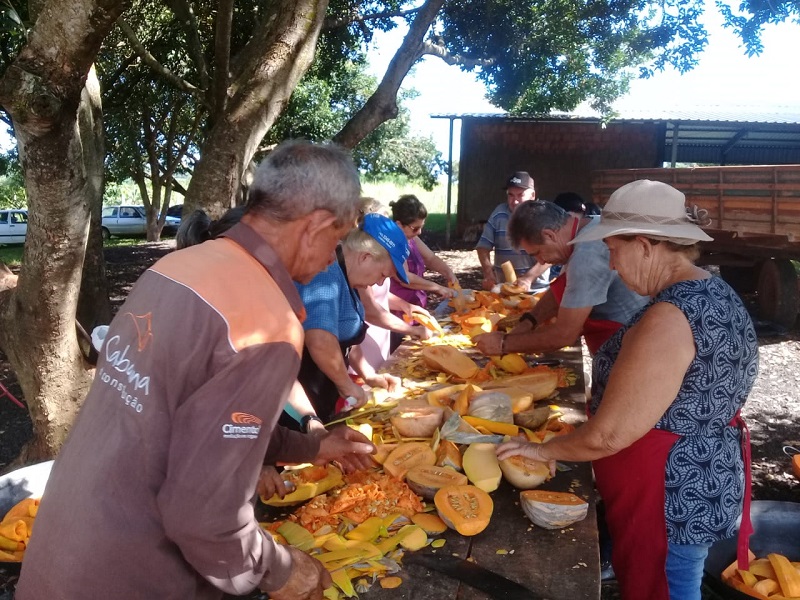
x,y
530,318
306,420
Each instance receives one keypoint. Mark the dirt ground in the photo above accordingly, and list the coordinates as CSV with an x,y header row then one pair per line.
x,y
772,411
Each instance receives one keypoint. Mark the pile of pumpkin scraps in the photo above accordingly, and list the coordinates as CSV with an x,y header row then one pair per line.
x,y
365,494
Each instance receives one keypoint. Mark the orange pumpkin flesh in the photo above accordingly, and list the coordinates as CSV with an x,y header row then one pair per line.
x,y
465,508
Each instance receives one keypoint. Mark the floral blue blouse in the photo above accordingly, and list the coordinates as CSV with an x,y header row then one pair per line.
x,y
705,472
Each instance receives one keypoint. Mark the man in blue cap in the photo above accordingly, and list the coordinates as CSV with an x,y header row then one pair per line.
x,y
335,319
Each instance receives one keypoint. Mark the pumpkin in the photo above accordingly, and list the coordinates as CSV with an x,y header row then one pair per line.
x,y
406,456
448,455
308,483
417,422
449,360
444,396
492,406
540,384
465,508
553,510
426,480
430,523
532,418
524,473
481,466
796,466
512,289
511,363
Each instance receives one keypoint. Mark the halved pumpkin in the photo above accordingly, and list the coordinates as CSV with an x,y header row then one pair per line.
x,y
426,480
553,510
540,384
308,483
511,363
524,473
430,523
448,455
449,360
465,508
406,456
419,422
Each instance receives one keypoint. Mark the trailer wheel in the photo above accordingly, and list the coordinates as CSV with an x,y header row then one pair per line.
x,y
777,292
742,279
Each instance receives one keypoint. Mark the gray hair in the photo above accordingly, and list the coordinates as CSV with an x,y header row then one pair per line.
x,y
359,240
531,218
299,177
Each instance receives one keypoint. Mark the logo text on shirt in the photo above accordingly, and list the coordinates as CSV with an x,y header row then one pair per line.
x,y
242,425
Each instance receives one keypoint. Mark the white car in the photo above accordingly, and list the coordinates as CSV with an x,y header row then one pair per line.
x,y
131,220
13,225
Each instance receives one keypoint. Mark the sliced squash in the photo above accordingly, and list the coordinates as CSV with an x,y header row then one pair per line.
x,y
493,426
465,508
786,574
430,523
481,466
524,473
553,510
444,396
450,360
510,363
426,480
796,466
406,456
419,422
540,384
308,483
448,455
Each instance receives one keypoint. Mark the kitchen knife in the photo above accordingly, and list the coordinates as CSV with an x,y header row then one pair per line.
x,y
494,585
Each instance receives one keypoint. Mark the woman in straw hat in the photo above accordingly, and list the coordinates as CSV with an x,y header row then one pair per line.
x,y
669,448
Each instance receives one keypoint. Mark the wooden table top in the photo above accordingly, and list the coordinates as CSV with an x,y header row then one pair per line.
x,y
554,564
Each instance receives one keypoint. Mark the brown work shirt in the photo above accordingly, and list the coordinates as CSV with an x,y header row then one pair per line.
x,y
151,495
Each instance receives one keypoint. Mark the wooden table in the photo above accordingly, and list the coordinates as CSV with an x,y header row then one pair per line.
x,y
554,564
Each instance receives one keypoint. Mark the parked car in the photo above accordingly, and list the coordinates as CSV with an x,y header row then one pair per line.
x,y
13,225
131,220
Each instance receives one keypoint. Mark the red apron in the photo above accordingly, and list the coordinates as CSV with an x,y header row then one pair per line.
x,y
631,483
595,331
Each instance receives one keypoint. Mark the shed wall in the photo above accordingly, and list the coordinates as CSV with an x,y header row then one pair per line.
x,y
560,156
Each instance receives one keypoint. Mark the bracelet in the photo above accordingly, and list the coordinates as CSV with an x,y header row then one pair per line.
x,y
530,318
306,420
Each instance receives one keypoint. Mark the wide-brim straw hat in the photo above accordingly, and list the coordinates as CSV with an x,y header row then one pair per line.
x,y
648,208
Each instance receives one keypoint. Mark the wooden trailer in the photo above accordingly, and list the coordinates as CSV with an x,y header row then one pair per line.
x,y
755,212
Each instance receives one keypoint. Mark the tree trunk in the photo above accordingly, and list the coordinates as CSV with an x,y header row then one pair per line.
x,y
94,307
382,105
42,92
280,52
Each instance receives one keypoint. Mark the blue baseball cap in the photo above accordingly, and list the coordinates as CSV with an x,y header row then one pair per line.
x,y
390,236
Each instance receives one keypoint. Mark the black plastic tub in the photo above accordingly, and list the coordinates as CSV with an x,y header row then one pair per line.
x,y
776,528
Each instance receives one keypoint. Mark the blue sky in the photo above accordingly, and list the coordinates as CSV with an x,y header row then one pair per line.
x,y
724,77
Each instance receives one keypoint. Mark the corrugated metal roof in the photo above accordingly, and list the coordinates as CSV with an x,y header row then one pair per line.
x,y
710,135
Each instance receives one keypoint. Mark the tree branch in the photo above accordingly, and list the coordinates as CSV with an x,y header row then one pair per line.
x,y
156,66
454,59
334,22
222,57
186,15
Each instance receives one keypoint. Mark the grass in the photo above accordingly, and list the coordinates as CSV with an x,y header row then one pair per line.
x,y
435,200
12,255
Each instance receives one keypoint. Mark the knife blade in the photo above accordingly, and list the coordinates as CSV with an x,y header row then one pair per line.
x,y
494,585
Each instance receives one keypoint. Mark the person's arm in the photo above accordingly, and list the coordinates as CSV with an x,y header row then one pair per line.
x,y
327,355
548,337
367,372
641,387
532,275
434,263
415,282
484,257
213,467
376,315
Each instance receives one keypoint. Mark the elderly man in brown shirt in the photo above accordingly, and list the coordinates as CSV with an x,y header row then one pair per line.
x,y
151,495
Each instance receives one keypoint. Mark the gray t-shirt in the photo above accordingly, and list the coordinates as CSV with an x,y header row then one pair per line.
x,y
591,282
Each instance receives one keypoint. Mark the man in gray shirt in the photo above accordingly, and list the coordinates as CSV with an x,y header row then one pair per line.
x,y
587,299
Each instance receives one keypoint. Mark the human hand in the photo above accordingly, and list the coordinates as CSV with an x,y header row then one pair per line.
x,y
385,381
520,446
420,332
444,292
346,446
488,282
308,579
491,344
270,483
523,282
355,391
